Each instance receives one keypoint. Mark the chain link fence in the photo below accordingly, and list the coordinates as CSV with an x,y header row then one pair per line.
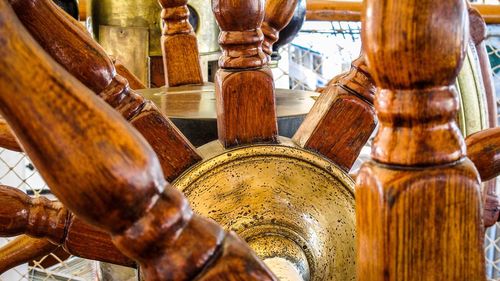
x,y
321,51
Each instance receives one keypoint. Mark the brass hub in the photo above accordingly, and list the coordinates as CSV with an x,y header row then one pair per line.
x,y
286,202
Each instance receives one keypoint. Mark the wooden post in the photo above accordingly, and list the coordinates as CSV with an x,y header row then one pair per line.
x,y
246,110
418,203
72,47
179,45
342,119
116,180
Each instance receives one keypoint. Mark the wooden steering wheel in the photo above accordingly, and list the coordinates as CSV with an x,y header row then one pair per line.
x,y
292,200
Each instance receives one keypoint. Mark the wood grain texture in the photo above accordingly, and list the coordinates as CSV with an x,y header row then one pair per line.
x,y
419,209
116,180
73,48
22,250
55,226
246,109
278,14
342,119
7,138
483,148
478,31
37,217
179,45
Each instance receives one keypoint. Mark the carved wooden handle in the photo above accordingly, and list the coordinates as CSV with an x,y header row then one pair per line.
x,y
115,177
244,86
46,219
483,148
179,45
420,192
37,217
63,38
240,38
278,15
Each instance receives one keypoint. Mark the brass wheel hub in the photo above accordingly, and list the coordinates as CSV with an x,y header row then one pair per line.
x,y
286,202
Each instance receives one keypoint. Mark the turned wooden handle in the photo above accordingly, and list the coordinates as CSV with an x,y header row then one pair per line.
x,y
39,217
418,203
115,177
46,219
483,148
181,59
278,15
22,250
244,86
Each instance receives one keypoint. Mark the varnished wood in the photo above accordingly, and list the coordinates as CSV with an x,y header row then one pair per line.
x,y
41,218
327,10
179,45
343,119
22,250
483,148
7,138
332,10
133,81
278,14
478,32
246,110
104,172
418,203
86,60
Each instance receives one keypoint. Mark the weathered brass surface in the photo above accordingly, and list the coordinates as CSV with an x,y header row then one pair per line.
x,y
146,13
133,50
286,202
193,109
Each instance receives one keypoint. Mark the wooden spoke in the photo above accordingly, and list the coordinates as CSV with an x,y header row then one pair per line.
x,y
246,110
342,119
7,138
41,218
179,45
278,14
73,48
22,250
115,177
420,192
